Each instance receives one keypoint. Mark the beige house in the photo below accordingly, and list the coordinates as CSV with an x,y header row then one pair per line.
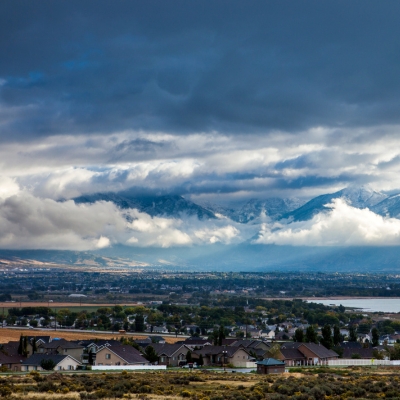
x,y
119,355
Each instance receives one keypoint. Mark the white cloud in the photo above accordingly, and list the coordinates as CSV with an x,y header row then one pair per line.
x,y
28,222
8,187
342,226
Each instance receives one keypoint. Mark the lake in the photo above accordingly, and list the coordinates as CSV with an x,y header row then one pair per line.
x,y
376,304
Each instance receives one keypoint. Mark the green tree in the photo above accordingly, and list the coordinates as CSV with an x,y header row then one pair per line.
x,y
200,361
352,334
25,346
375,337
337,337
150,354
189,356
139,323
298,335
327,340
221,335
34,346
311,335
48,364
21,345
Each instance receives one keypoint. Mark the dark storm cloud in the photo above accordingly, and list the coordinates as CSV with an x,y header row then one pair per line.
x,y
228,66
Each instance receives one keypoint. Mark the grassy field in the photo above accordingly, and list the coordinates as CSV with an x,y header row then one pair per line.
x,y
317,384
7,335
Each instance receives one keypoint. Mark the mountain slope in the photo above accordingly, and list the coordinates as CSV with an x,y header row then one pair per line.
x,y
389,207
359,197
170,206
272,207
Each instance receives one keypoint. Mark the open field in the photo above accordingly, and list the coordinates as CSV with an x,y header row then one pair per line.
x,y
7,335
314,383
64,304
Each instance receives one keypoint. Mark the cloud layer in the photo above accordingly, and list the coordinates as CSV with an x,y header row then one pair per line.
x,y
342,226
29,222
218,101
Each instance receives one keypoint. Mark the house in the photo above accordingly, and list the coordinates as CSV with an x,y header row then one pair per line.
x,y
156,329
62,346
61,362
268,334
364,337
238,356
119,355
306,354
292,357
11,362
197,342
170,354
156,339
361,352
270,366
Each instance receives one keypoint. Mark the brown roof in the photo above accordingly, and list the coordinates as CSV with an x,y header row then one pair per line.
x,y
319,350
364,353
14,359
292,354
10,348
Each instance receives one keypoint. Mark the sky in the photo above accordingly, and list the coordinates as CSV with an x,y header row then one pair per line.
x,y
218,101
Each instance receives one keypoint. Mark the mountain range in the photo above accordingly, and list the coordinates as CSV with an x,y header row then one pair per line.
x,y
244,256
291,209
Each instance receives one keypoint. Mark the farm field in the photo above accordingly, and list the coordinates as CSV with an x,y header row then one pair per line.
x,y
7,335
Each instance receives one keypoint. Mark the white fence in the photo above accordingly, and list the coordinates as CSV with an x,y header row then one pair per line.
x,y
357,361
127,367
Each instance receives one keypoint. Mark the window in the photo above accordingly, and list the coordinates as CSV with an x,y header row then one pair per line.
x,y
108,356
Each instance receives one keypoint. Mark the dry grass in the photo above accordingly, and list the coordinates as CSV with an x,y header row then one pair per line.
x,y
7,335
61,304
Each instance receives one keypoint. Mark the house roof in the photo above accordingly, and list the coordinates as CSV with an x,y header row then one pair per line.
x,y
44,339
249,344
194,341
98,342
64,344
168,349
37,358
292,354
270,362
129,354
10,348
363,352
213,350
351,345
319,350
13,359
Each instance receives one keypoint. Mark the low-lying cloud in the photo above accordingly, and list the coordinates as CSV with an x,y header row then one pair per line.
x,y
29,222
342,226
